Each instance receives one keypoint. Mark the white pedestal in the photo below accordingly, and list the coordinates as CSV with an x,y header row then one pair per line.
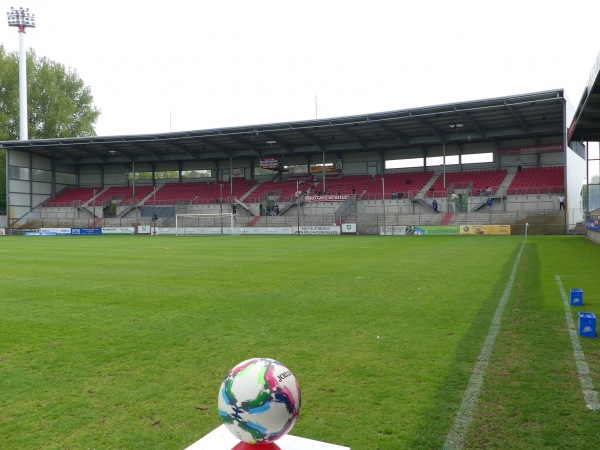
x,y
221,439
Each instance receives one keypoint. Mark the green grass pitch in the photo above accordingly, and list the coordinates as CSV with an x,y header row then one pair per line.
x,y
121,342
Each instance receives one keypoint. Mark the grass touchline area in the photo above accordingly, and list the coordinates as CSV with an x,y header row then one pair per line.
x,y
456,436
589,393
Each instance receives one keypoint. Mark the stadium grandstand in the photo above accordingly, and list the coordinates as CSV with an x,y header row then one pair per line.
x,y
508,160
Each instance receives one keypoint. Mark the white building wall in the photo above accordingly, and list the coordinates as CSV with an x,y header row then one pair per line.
x,y
574,182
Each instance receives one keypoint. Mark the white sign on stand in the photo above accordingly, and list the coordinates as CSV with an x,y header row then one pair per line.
x,y
221,439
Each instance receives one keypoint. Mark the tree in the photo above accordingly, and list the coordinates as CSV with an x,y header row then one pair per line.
x,y
9,94
59,103
2,181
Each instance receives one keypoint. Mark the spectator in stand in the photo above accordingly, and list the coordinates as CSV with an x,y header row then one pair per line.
x,y
233,209
434,205
561,202
353,191
489,202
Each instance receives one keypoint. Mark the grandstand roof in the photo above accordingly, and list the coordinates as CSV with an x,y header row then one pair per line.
x,y
538,115
586,123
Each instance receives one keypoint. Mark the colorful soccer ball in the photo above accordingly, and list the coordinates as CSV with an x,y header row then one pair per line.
x,y
259,400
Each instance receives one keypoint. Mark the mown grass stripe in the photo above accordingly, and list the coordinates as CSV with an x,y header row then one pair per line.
x,y
590,395
456,437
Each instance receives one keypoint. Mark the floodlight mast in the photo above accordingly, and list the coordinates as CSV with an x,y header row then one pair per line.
x,y
22,19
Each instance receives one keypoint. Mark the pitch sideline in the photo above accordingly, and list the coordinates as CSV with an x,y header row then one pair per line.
x,y
456,436
590,395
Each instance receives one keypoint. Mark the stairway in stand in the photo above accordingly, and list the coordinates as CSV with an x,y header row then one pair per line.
x,y
447,218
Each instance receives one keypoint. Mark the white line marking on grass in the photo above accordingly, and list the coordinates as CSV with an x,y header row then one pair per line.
x,y
590,396
464,416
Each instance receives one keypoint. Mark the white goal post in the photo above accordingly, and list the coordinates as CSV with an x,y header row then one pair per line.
x,y
192,224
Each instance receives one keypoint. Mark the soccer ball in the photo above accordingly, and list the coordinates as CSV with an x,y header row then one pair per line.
x,y
259,400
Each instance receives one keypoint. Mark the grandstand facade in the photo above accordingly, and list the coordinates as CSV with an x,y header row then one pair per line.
x,y
502,160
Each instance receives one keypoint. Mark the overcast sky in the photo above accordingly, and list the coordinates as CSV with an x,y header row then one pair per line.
x,y
158,66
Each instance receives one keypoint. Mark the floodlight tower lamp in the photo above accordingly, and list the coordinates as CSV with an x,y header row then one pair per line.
x,y
22,19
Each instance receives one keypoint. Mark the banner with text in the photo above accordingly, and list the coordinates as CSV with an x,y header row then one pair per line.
x,y
349,228
118,230
392,230
86,231
319,230
269,163
325,198
318,168
55,231
432,230
485,229
524,150
225,231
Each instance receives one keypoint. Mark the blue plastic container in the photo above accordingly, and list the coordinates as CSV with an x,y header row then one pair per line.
x,y
576,297
587,324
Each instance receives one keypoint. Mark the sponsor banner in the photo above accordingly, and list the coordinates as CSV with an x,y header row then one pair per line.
x,y
196,230
55,231
269,230
349,228
318,168
118,230
147,229
269,163
2,231
543,148
392,230
86,231
433,230
237,173
325,198
25,232
191,231
485,229
590,224
319,230
205,230
227,231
